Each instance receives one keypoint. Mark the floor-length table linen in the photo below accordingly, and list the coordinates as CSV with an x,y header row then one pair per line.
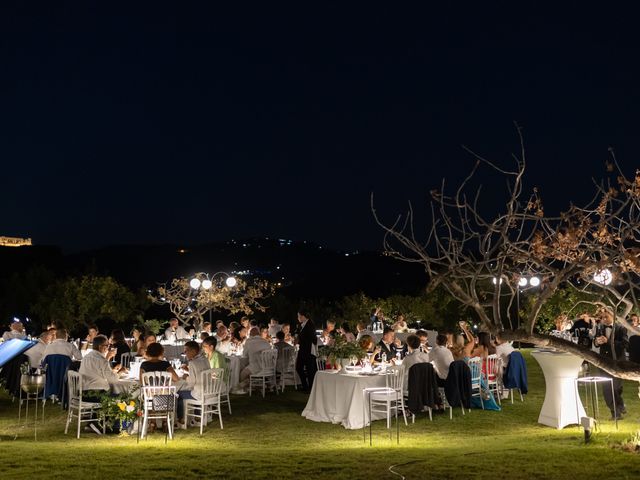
x,y
337,398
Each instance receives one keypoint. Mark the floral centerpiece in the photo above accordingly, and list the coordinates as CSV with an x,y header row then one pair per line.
x,y
341,351
121,410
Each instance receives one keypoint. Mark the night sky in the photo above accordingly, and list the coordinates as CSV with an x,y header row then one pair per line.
x,y
168,125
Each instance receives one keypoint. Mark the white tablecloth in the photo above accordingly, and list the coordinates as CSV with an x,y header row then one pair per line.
x,y
337,398
562,405
236,365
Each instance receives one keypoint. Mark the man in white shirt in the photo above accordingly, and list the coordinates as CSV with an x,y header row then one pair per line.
x,y
198,363
36,352
274,327
414,356
175,331
60,346
224,341
16,330
441,357
503,350
97,374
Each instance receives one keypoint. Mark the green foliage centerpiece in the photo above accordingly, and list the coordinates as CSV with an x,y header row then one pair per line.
x,y
341,350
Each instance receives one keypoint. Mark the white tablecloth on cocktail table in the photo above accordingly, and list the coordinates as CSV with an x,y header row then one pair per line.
x,y
337,398
562,405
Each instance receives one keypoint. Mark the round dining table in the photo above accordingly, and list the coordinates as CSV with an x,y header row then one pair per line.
x,y
336,397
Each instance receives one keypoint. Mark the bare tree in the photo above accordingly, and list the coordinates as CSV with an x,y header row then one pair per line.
x,y
189,305
481,258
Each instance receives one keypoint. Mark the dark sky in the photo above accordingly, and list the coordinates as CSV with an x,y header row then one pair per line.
x,y
164,124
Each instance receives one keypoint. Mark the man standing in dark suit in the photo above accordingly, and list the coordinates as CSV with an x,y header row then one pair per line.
x,y
307,341
612,340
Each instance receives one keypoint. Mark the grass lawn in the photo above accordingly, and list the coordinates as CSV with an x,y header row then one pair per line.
x,y
267,438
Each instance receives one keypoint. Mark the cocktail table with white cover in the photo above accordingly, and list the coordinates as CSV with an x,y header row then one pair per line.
x,y
337,398
562,405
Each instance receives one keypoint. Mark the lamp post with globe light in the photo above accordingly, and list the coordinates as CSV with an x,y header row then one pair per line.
x,y
206,282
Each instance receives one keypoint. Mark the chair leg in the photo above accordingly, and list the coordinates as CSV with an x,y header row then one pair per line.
x,y
66,427
79,421
220,416
430,414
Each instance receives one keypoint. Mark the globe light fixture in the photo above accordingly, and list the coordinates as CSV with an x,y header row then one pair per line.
x,y
603,277
522,282
230,282
206,284
194,283
534,281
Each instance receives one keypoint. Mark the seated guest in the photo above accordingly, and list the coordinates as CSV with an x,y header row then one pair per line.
x,y
175,331
223,340
233,326
424,340
465,350
280,345
148,340
119,342
97,374
345,331
484,348
386,345
16,330
369,346
401,325
36,352
399,348
60,346
245,322
239,335
88,341
264,334
286,329
274,327
503,350
136,335
155,362
216,359
362,330
255,343
329,333
253,347
441,357
206,328
203,335
414,356
198,363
